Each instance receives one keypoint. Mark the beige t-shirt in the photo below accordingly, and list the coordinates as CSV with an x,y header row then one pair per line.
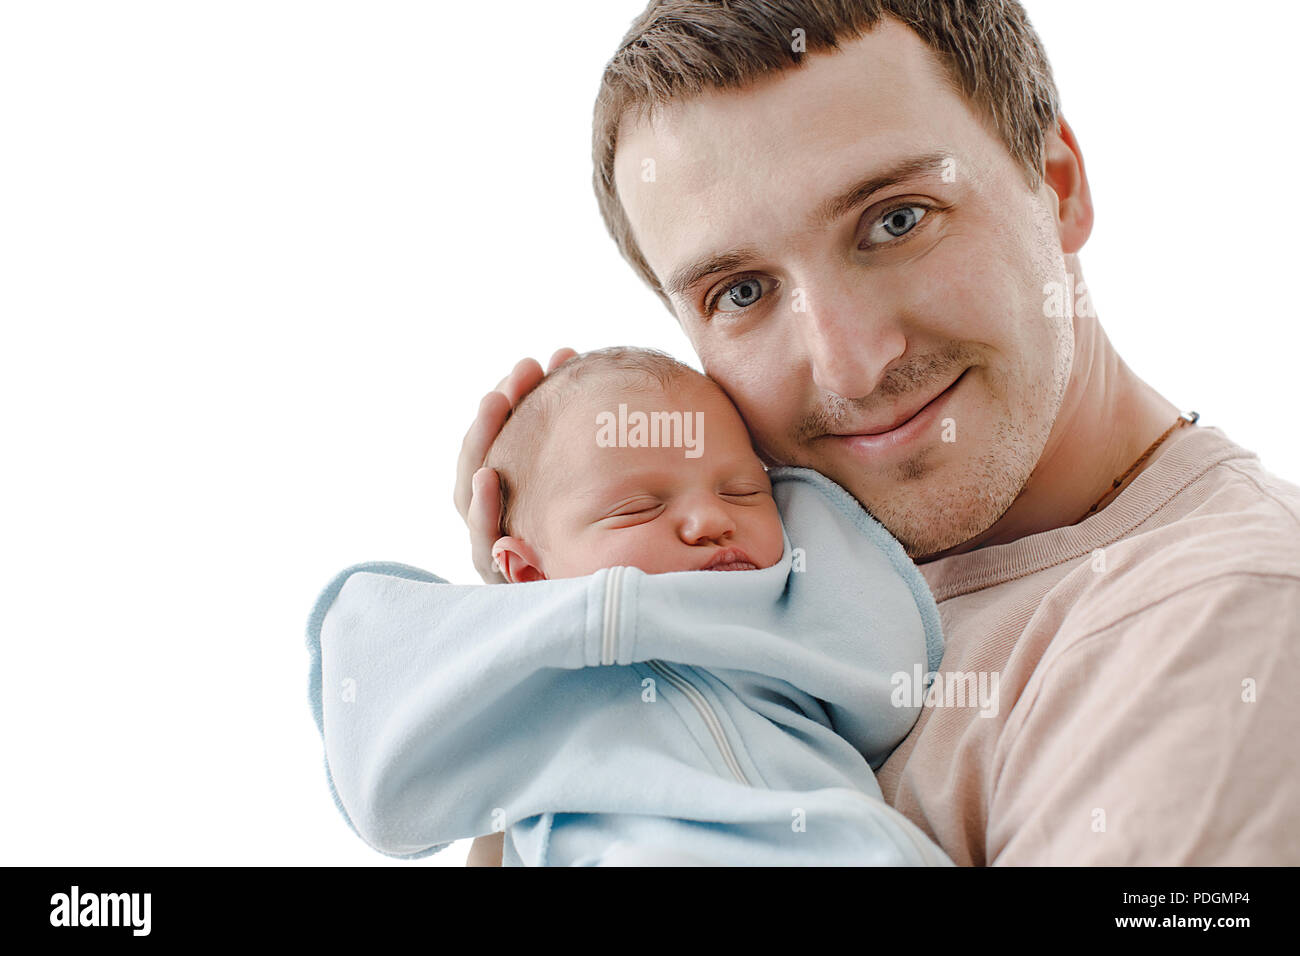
x,y
1146,664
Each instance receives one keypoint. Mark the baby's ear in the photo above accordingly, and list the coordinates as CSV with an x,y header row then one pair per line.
x,y
517,560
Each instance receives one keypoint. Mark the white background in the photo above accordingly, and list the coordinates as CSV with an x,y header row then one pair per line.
x,y
259,261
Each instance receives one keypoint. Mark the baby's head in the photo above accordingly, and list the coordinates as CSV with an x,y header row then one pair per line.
x,y
626,456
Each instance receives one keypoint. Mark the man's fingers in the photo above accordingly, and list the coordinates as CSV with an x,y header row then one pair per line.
x,y
523,378
559,358
492,413
484,522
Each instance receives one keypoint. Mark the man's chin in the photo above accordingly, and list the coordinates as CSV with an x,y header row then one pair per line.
x,y
929,510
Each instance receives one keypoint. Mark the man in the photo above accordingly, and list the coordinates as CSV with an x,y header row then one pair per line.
x,y
867,218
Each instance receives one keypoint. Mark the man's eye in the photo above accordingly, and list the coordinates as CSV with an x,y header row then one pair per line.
x,y
895,223
740,295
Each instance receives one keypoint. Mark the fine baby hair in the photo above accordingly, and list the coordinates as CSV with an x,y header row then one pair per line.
x,y
518,453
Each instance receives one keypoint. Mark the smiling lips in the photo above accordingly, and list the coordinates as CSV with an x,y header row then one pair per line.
x,y
730,559
898,420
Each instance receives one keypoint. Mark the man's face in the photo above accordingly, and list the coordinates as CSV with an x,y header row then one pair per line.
x,y
830,310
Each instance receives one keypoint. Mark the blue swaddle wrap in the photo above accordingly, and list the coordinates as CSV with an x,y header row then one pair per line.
x,y
732,717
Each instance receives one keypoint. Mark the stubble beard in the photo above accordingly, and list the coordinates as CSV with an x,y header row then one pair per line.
x,y
932,508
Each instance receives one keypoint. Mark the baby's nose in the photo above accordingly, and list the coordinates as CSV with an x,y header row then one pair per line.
x,y
706,522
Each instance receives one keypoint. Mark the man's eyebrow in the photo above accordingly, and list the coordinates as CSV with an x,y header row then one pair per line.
x,y
856,195
688,275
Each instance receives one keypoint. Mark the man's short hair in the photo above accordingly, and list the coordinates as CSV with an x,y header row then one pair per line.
x,y
677,49
520,446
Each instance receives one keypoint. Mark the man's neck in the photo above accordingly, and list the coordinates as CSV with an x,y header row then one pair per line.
x,y
1107,419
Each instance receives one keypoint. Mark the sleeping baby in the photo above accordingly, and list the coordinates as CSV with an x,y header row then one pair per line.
x,y
627,457
610,704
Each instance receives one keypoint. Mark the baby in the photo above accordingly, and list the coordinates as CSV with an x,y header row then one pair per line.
x,y
628,457
608,705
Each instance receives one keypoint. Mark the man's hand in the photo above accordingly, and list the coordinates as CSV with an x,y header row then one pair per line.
x,y
486,850
478,492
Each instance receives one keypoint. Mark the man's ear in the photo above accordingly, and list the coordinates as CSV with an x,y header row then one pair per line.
x,y
517,560
1064,174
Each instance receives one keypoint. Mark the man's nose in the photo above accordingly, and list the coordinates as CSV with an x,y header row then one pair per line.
x,y
849,340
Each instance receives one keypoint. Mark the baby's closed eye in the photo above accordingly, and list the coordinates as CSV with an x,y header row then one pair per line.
x,y
635,511
746,494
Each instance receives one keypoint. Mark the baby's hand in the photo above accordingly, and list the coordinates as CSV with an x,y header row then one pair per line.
x,y
478,492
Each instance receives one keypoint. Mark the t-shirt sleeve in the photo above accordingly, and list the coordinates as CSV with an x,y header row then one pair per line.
x,y
1168,737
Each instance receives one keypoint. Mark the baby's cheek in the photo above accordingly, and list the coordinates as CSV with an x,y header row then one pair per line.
x,y
773,540
580,555
633,547
652,548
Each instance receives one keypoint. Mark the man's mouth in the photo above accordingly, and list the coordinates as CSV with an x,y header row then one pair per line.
x,y
900,427
730,559
896,418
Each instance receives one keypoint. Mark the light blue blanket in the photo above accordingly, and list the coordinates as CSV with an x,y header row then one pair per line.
x,y
728,717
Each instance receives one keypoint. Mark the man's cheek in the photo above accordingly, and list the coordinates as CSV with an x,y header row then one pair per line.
x,y
765,401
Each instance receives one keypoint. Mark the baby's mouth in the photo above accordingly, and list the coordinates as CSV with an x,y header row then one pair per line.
x,y
730,559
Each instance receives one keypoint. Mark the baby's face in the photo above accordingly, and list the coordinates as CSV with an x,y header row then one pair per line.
x,y
658,509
